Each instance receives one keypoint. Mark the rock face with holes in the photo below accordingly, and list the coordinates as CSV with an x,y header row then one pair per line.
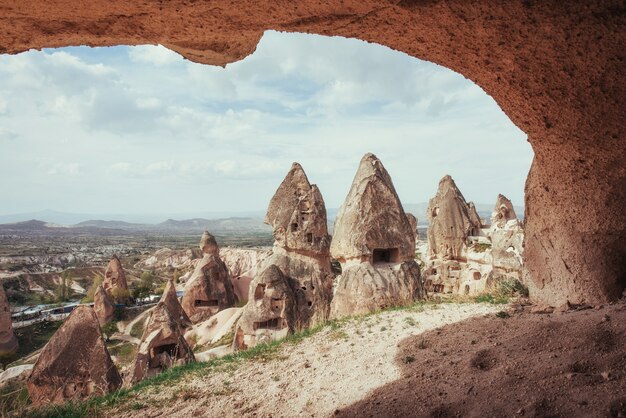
x,y
114,282
375,244
170,299
507,236
8,341
271,311
451,222
103,306
533,58
297,214
243,265
162,345
75,363
209,290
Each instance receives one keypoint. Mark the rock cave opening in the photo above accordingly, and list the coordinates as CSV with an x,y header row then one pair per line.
x,y
386,255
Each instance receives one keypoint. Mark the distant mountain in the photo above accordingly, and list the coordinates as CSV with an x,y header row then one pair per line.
x,y
111,224
233,224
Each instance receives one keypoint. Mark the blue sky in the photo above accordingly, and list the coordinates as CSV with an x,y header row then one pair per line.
x,y
135,130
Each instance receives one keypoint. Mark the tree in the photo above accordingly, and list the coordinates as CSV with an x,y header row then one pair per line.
x,y
91,292
64,290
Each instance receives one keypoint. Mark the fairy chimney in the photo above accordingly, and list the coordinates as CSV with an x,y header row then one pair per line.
x,y
103,306
375,244
74,364
115,281
8,342
209,290
297,215
502,212
450,222
170,299
270,313
162,345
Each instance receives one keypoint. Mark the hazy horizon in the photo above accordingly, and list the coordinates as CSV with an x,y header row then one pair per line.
x,y
141,130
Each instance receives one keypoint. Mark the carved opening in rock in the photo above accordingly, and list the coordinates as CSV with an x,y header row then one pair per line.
x,y
294,226
213,303
386,255
476,275
309,238
169,349
438,288
278,304
259,291
271,324
467,289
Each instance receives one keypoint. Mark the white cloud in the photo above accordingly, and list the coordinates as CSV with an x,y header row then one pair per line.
x,y
155,55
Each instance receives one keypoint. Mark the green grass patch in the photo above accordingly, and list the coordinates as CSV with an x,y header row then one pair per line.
x,y
481,247
137,329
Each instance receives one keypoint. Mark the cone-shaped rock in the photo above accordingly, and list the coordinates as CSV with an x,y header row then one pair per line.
x,y
75,363
209,290
375,243
208,245
474,218
502,212
372,218
8,342
170,299
115,281
297,214
103,306
449,221
162,345
270,312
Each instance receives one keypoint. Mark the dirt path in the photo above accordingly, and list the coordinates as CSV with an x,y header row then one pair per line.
x,y
328,371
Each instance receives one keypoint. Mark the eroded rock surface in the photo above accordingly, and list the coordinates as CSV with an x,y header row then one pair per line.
x,y
8,341
115,281
209,290
170,299
297,214
162,345
533,58
375,244
103,306
450,221
270,313
503,212
75,363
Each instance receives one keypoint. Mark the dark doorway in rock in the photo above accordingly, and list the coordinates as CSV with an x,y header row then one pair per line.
x,y
273,324
170,349
386,255
206,303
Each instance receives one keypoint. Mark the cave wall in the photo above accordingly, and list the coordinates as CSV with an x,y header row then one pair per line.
x,y
555,68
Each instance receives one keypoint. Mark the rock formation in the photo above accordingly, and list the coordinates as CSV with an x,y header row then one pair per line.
x,y
162,345
8,342
575,248
115,281
474,219
170,300
503,212
297,215
507,236
103,306
374,242
243,264
75,363
209,290
413,222
450,222
270,313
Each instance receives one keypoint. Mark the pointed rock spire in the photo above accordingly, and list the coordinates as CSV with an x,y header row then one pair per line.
x,y
103,306
450,222
209,290
374,240
162,345
502,212
115,281
372,218
75,363
297,214
170,299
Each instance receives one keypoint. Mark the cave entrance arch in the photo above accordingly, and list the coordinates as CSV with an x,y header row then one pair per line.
x,y
555,68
